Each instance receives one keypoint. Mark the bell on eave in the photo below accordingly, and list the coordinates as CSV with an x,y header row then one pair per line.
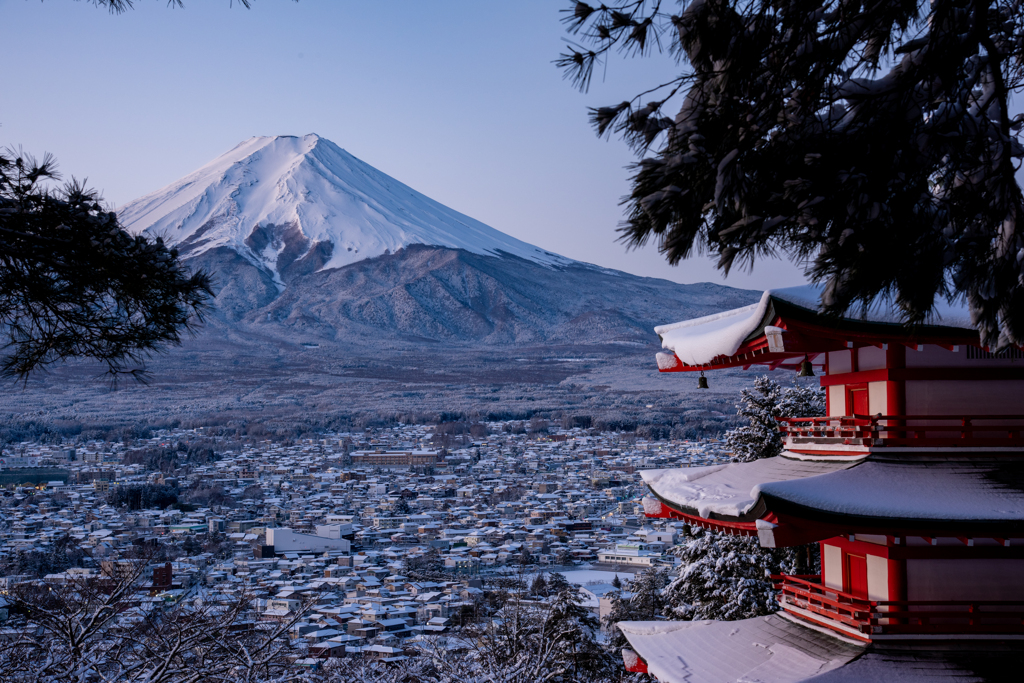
x,y
805,369
702,381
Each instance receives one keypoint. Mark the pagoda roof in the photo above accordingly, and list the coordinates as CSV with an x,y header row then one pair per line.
x,y
813,500
778,649
772,648
740,337
958,494
730,491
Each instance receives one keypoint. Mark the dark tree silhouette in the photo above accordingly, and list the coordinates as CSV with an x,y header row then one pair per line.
x,y
119,6
871,141
74,284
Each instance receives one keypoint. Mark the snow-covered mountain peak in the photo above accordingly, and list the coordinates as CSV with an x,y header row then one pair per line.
x,y
285,200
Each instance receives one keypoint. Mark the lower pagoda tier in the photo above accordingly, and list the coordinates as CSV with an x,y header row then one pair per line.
x,y
779,649
919,547
787,501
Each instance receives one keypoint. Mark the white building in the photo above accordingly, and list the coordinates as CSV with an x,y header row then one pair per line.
x,y
288,541
17,461
632,554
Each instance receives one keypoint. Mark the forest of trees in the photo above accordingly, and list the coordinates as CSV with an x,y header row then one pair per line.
x,y
873,143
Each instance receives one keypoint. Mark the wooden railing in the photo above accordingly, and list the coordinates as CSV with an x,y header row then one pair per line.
x,y
887,617
906,430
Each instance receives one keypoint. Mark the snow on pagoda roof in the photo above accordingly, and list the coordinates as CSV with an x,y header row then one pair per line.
x,y
935,493
701,340
770,649
730,490
777,649
949,491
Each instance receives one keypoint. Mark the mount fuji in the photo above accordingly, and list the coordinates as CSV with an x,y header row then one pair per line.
x,y
305,241
279,201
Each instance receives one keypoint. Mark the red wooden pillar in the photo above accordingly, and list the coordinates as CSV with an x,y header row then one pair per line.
x,y
897,578
896,390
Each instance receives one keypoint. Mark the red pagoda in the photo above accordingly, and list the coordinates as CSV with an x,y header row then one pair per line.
x,y
912,484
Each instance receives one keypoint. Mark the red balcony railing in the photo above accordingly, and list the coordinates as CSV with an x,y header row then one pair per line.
x,y
906,430
888,617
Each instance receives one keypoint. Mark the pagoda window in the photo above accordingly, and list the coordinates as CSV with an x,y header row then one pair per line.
x,y
836,400
832,566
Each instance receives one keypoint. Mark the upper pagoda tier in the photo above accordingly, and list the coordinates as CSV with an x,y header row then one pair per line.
x,y
785,327
889,386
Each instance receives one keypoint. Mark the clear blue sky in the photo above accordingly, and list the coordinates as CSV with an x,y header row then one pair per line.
x,y
457,98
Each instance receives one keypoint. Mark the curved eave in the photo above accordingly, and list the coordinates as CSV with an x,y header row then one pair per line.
x,y
784,524
749,517
808,333
889,525
713,522
633,661
870,331
792,503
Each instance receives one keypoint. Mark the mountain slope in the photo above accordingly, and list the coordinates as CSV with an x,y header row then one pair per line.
x,y
438,294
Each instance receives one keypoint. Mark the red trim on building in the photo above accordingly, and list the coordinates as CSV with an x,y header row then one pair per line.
x,y
634,662
922,374
733,528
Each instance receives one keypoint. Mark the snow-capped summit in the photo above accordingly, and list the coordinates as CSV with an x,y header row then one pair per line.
x,y
284,201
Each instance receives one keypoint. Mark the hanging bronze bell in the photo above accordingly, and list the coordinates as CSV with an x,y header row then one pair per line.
x,y
805,369
702,381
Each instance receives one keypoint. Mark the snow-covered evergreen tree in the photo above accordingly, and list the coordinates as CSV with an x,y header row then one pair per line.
x,y
873,142
644,602
722,577
727,577
573,630
760,438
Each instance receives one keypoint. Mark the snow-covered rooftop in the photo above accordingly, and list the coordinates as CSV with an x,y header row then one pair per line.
x,y
770,649
944,490
732,489
700,340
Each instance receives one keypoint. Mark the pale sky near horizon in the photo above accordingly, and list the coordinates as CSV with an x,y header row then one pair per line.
x,y
458,99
